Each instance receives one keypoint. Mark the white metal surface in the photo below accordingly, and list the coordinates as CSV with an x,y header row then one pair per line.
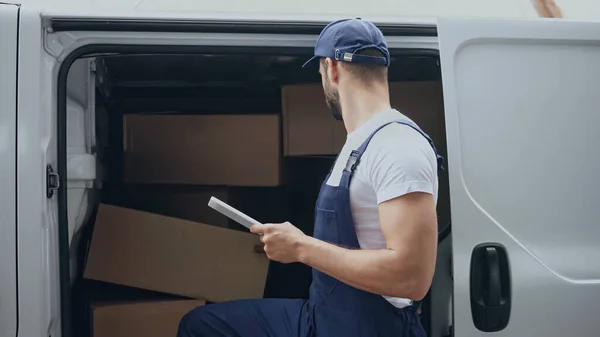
x,y
231,213
9,16
181,14
36,214
61,44
400,10
81,138
521,100
312,8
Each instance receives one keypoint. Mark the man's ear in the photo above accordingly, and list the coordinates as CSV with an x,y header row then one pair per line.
x,y
333,71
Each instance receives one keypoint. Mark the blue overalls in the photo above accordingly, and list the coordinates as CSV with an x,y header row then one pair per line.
x,y
334,308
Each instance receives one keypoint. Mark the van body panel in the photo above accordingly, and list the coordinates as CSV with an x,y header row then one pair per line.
x,y
61,44
37,219
330,10
205,25
9,18
521,99
86,13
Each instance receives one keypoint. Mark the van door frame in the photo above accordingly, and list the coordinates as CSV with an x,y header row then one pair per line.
x,y
9,43
75,51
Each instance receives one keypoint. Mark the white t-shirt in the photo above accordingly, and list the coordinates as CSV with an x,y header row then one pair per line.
x,y
397,161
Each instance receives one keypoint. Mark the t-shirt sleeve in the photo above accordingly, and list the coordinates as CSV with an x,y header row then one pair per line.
x,y
398,161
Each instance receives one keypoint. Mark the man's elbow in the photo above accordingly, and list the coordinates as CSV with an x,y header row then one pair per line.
x,y
413,288
412,279
419,290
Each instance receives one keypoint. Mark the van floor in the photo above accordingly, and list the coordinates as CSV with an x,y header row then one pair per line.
x,y
217,84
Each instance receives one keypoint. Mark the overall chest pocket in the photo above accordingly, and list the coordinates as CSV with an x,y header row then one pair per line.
x,y
326,229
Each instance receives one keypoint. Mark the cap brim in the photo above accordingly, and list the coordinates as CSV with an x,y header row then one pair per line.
x,y
313,62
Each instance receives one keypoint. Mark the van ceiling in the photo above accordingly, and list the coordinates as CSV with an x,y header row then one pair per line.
x,y
147,82
206,70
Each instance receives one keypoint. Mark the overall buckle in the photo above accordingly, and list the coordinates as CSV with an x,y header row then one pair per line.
x,y
352,162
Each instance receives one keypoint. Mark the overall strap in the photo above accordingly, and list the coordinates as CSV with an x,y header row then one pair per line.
x,y
356,154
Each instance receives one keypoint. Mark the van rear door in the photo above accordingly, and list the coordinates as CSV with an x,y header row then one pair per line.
x,y
9,18
522,100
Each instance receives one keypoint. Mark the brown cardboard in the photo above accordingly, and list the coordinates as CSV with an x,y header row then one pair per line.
x,y
309,127
231,150
339,136
178,201
140,318
423,103
174,256
265,204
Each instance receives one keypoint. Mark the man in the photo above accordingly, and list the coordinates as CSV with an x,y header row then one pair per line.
x,y
375,239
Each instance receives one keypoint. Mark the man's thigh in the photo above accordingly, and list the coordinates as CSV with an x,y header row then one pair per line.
x,y
256,318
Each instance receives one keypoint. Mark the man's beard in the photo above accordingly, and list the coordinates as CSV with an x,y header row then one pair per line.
x,y
332,99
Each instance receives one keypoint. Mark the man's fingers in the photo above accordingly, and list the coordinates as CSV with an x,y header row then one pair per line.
x,y
256,229
261,229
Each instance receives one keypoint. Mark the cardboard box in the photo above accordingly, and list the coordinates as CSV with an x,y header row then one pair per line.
x,y
230,150
265,204
183,202
140,318
423,103
309,128
175,256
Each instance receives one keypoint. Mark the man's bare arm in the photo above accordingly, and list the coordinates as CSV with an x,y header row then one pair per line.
x,y
405,269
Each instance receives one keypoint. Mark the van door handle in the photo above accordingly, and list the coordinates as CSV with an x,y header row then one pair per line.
x,y
490,287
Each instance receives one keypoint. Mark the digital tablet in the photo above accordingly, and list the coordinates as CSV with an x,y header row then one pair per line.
x,y
231,213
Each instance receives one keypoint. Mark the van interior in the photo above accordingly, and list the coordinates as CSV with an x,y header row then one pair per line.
x,y
106,92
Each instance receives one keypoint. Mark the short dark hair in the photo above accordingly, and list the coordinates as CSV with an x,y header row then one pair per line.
x,y
367,73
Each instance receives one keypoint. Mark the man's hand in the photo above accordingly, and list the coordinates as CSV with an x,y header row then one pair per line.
x,y
281,241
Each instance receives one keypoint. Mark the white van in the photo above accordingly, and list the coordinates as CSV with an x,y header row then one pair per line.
x,y
519,129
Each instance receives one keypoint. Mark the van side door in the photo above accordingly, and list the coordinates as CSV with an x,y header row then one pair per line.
x,y
522,104
9,18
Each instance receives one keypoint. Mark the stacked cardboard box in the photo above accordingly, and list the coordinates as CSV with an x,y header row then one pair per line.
x,y
174,256
139,318
222,150
168,255
309,128
156,232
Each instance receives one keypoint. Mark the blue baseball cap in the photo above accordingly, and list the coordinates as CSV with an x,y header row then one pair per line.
x,y
342,39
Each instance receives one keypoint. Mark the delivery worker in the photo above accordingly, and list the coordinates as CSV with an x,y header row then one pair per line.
x,y
375,239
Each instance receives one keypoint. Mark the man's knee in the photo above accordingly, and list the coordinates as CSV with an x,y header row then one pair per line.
x,y
194,323
244,317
